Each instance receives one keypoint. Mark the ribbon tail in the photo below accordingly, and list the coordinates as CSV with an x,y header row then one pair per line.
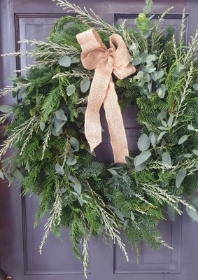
x,y
99,86
116,126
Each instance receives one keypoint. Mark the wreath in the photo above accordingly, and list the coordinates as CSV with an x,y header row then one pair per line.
x,y
55,126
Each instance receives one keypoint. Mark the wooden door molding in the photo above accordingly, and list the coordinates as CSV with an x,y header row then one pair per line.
x,y
19,241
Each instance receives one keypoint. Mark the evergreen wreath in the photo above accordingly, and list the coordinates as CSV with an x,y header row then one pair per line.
x,y
52,158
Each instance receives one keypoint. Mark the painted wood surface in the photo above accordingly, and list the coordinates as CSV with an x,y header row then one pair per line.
x,y
19,241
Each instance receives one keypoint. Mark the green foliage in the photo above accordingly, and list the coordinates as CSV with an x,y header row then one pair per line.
x,y
94,169
53,159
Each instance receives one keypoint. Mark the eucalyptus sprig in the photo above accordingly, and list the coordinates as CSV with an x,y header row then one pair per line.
x,y
53,159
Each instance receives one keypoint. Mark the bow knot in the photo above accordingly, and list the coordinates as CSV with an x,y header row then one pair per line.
x,y
96,56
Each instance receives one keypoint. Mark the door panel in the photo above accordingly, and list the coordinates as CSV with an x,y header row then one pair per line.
x,y
19,240
32,27
155,262
56,255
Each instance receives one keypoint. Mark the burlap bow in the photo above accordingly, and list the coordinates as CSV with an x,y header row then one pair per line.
x,y
96,56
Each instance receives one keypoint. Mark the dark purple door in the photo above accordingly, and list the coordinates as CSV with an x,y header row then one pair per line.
x,y
19,241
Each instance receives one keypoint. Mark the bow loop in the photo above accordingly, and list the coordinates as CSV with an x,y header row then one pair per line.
x,y
93,48
96,56
90,40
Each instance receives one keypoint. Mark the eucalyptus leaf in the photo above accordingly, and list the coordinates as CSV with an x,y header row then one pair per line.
x,y
195,201
71,160
136,53
192,212
180,67
141,84
129,160
151,57
74,193
58,125
170,120
159,150
132,216
149,87
179,70
14,94
158,75
195,86
72,179
63,190
164,123
70,90
74,143
190,127
147,77
183,139
59,169
21,92
81,110
142,22
153,138
143,142
85,85
38,100
1,175
65,61
152,16
163,87
180,177
147,9
42,126
150,68
77,187
187,155
162,115
166,159
112,171
160,93
80,199
134,48
196,165
75,59
161,136
137,60
56,122
140,167
55,132
171,213
195,152
18,175
148,33
163,128
6,108
87,196
144,156
139,76
61,115
179,158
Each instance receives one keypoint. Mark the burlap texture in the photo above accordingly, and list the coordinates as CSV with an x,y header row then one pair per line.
x,y
96,56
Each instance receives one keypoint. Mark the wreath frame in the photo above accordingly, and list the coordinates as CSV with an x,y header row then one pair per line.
x,y
53,160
